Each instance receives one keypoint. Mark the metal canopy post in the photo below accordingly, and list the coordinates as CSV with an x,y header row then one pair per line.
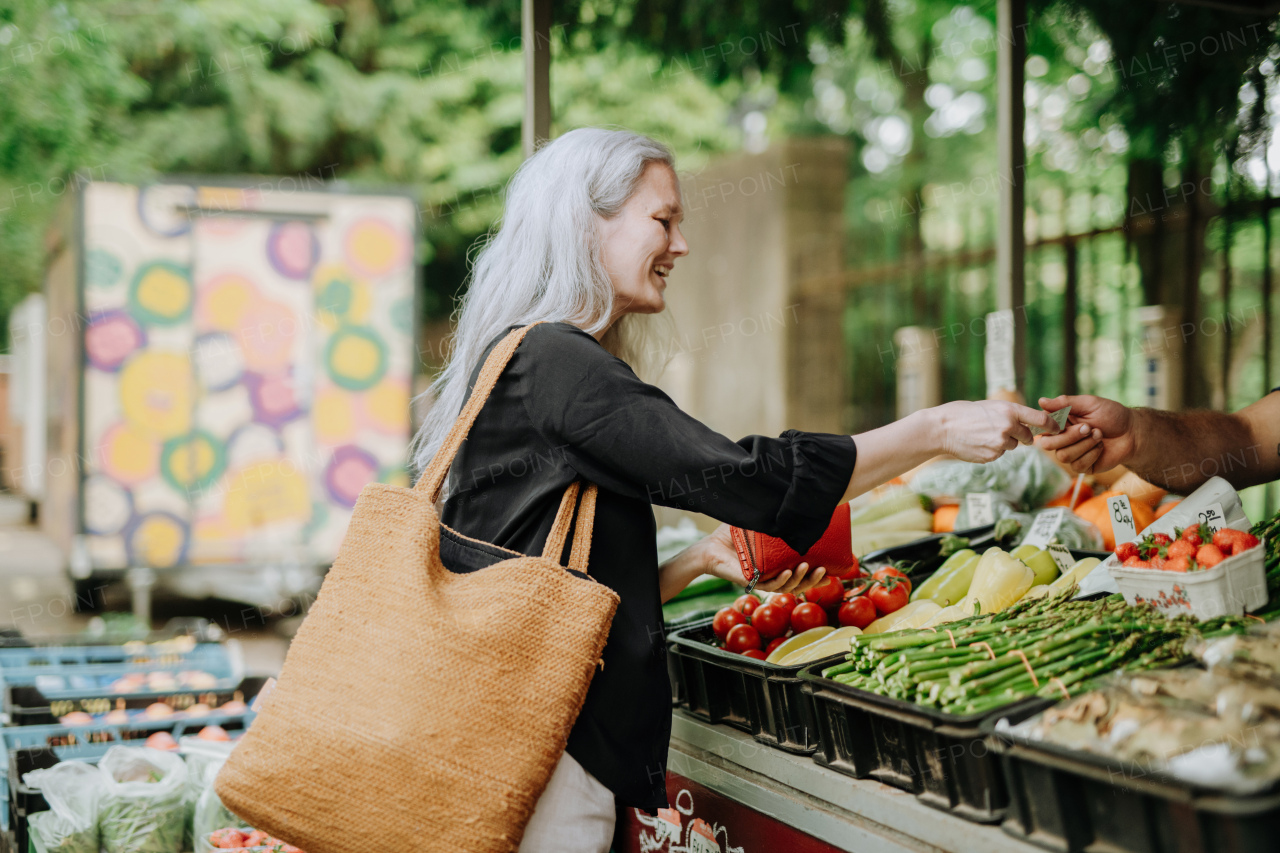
x,y
535,18
1011,155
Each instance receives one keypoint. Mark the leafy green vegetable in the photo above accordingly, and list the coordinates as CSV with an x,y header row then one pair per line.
x,y
142,809
50,833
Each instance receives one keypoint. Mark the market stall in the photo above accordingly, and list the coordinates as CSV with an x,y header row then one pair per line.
x,y
1124,697
748,796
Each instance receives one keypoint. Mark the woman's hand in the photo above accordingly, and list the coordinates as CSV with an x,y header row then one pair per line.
x,y
983,431
720,558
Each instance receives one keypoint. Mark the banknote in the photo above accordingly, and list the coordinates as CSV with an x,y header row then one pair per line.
x,y
1059,418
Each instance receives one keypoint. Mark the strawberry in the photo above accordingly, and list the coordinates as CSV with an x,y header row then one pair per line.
x,y
1180,548
1125,550
1161,539
1157,562
1238,541
1135,562
1197,534
1224,540
1209,556
1178,564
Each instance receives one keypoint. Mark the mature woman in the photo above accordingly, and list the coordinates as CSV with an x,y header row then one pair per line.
x,y
590,233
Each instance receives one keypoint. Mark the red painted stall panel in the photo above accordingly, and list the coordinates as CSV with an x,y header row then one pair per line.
x,y
702,821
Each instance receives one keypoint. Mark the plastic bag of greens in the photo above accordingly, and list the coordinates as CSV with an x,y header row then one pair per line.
x,y
204,759
73,790
142,809
1074,532
210,813
1024,476
1000,508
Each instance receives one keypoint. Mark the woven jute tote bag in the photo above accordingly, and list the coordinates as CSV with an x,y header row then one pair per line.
x,y
421,708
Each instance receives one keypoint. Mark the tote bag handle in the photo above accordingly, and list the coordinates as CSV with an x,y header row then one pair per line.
x,y
432,480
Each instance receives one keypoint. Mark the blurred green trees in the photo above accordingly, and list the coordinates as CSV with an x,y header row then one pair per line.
x,y
427,93
412,92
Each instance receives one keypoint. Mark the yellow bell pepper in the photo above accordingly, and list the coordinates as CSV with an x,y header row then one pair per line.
x,y
1074,575
1037,591
954,586
911,615
1044,566
999,580
945,615
955,561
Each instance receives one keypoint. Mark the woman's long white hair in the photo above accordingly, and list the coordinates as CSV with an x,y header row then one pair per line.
x,y
543,262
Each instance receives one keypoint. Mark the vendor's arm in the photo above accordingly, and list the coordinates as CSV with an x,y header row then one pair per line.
x,y
1177,451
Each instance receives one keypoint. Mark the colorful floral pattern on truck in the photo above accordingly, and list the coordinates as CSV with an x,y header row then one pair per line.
x,y
246,375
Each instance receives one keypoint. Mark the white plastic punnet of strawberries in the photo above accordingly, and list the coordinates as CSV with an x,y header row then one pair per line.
x,y
1195,548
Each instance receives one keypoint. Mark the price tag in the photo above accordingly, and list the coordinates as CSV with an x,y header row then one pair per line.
x,y
1213,517
980,511
1122,519
1062,556
998,355
1044,527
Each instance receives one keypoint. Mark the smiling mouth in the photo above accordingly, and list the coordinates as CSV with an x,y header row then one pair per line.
x,y
662,270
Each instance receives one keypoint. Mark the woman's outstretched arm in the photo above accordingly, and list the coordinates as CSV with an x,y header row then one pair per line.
x,y
970,431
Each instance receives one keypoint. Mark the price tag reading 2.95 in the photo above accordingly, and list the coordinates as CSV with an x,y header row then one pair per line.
x,y
1122,519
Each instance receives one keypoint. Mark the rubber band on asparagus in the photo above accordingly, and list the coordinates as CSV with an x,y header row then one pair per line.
x,y
1026,663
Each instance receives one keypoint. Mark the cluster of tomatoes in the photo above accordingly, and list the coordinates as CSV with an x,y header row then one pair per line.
x,y
1194,548
755,628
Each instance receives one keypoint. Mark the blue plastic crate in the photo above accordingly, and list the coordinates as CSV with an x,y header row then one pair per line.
x,y
62,678
56,656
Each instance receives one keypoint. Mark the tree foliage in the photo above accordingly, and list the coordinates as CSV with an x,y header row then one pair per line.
x,y
407,92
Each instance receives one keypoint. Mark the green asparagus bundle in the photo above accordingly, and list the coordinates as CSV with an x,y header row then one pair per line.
x,y
1269,530
1051,646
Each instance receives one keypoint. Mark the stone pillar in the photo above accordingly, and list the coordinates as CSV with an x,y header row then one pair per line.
x,y
757,306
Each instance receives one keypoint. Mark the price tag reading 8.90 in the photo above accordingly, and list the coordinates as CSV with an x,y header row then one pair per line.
x,y
1122,519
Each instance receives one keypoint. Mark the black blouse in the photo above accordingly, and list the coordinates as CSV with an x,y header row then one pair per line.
x,y
566,409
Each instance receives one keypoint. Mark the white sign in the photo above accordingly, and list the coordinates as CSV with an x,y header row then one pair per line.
x,y
1045,526
1062,556
1213,517
998,356
980,510
1121,519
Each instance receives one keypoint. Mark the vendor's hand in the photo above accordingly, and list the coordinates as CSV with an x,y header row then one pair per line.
x,y
1099,435
983,431
721,559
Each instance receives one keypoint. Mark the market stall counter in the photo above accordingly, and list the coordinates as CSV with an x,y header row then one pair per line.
x,y
729,793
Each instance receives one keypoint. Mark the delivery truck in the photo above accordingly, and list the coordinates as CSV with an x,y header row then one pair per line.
x,y
227,363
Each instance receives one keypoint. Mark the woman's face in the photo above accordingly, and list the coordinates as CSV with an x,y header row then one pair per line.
x,y
640,245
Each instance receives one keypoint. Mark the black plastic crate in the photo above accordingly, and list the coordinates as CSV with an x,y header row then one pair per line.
x,y
676,678
763,699
28,706
1077,802
941,758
